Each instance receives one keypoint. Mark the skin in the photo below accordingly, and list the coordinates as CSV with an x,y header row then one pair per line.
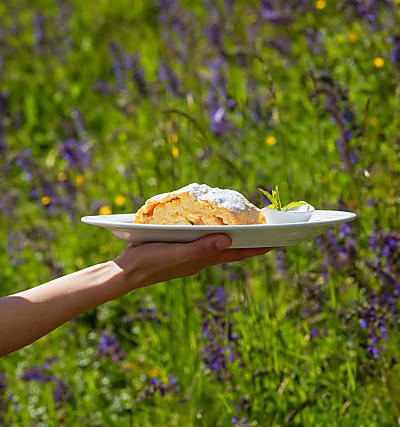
x,y
26,316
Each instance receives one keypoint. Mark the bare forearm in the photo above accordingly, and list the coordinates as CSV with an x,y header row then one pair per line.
x,y
28,315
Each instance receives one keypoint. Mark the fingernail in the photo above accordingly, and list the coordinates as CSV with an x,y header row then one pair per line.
x,y
222,243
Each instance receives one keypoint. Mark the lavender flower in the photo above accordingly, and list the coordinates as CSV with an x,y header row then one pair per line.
x,y
338,253
3,109
109,346
394,40
75,153
379,312
40,373
143,314
157,386
117,66
218,100
368,10
38,37
133,64
272,13
168,76
216,354
280,262
213,32
5,398
339,108
314,333
60,392
243,422
36,373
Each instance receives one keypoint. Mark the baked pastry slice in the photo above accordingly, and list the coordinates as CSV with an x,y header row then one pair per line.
x,y
199,204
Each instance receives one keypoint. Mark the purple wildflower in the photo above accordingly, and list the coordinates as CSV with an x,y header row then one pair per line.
x,y
395,52
40,373
75,153
338,106
280,262
314,333
168,76
215,327
143,314
213,32
3,110
3,382
109,346
156,386
133,65
117,66
218,100
368,10
60,392
5,398
36,373
38,37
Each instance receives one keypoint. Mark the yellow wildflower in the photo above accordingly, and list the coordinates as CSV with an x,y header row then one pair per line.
x,y
154,372
105,210
173,138
353,37
270,140
61,176
46,200
79,180
373,121
120,200
175,152
320,4
379,62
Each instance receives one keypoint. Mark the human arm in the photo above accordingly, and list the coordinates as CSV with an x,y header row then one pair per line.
x,y
30,314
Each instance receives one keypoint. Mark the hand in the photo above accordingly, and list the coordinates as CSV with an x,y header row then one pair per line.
x,y
156,262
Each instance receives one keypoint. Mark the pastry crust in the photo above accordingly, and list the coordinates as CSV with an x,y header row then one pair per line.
x,y
198,204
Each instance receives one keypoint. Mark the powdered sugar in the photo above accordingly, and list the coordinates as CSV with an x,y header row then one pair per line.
x,y
195,189
228,199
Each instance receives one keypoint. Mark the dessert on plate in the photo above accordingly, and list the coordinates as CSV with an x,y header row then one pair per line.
x,y
199,204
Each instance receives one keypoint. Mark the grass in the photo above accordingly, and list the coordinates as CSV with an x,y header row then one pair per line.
x,y
290,86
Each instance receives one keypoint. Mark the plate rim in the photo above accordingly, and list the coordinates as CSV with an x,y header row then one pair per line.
x,y
95,220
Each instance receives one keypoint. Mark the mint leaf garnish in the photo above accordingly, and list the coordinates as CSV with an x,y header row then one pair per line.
x,y
276,201
292,205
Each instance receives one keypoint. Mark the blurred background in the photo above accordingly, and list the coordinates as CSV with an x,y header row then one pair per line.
x,y
106,103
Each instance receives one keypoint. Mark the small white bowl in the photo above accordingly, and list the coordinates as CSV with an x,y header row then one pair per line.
x,y
301,213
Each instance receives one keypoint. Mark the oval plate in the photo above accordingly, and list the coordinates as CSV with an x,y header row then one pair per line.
x,y
243,236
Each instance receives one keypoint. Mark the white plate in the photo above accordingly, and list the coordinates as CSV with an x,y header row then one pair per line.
x,y
243,236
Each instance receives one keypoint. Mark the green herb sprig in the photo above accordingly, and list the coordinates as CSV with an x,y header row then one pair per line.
x,y
276,201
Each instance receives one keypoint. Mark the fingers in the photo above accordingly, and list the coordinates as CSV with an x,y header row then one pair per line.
x,y
231,255
201,248
159,255
194,266
178,253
